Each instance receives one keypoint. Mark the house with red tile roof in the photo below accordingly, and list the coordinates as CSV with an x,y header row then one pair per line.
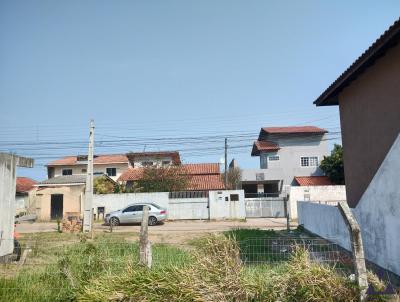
x,y
24,186
201,177
285,152
112,165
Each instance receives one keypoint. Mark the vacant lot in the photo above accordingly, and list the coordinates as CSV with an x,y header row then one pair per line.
x,y
68,267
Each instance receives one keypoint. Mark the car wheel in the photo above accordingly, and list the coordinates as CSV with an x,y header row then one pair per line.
x,y
114,221
152,220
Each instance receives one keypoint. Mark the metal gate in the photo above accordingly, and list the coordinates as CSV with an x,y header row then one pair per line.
x,y
265,207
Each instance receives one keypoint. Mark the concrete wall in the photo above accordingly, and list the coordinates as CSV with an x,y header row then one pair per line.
x,y
72,200
325,221
323,194
221,205
369,114
113,202
7,202
378,214
8,163
188,208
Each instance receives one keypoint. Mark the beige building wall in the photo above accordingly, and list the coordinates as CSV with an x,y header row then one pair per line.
x,y
370,121
72,199
97,168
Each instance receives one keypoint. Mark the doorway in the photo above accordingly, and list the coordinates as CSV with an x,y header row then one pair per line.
x,y
56,209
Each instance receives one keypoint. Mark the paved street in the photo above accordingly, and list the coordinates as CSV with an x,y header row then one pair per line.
x,y
192,226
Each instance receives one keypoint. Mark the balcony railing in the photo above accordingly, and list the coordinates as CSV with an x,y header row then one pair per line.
x,y
260,195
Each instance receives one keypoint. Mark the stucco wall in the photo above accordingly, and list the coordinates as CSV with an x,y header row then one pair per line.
x,y
72,200
7,202
180,208
378,214
325,221
97,168
315,194
113,202
222,207
369,114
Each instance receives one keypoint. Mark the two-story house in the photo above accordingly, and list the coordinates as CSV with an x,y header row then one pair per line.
x,y
285,152
112,165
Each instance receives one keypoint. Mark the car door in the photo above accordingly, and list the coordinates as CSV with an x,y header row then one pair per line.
x,y
127,215
138,213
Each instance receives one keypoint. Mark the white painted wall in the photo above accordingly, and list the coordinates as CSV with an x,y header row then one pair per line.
x,y
378,214
323,194
113,202
325,221
188,208
180,208
7,202
222,207
97,168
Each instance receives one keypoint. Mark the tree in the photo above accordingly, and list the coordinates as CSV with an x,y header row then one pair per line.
x,y
234,178
333,165
103,185
163,179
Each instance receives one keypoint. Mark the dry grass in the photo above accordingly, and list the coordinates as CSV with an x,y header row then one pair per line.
x,y
217,274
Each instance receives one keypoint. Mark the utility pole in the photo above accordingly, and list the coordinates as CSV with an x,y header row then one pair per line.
x,y
226,163
88,209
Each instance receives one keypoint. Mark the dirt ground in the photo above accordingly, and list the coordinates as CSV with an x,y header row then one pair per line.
x,y
172,232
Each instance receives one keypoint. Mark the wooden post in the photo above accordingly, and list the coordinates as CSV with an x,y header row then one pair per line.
x,y
357,248
145,255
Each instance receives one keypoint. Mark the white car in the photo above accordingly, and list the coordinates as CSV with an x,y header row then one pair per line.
x,y
134,214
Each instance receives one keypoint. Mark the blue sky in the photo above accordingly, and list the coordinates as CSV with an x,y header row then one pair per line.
x,y
151,71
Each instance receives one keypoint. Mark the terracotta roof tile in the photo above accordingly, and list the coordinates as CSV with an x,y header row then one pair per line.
x,y
259,146
204,176
313,181
205,182
24,184
296,129
204,168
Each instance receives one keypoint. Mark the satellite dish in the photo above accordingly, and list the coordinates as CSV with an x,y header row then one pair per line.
x,y
222,160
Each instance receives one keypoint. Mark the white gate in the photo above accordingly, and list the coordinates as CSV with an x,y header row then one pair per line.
x,y
265,207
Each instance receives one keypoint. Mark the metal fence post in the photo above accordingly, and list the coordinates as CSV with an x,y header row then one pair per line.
x,y
357,248
145,254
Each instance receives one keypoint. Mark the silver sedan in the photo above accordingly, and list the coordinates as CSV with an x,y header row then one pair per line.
x,y
134,214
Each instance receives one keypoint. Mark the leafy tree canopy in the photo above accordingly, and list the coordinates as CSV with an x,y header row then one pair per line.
x,y
333,165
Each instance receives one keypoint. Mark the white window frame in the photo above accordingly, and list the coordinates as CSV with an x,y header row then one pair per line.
x,y
308,161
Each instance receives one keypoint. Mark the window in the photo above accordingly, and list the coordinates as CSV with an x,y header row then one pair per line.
x,y
111,171
234,197
147,163
311,161
166,162
84,170
273,157
314,161
67,172
133,209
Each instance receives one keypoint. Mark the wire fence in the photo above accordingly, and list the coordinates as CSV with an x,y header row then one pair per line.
x,y
53,269
276,250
